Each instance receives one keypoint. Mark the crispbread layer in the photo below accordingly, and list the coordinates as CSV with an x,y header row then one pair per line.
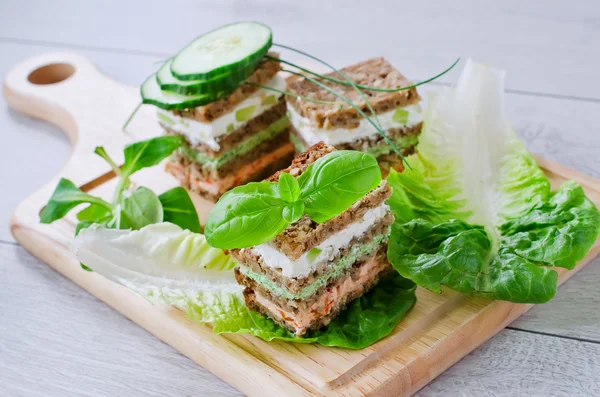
x,y
187,173
267,146
229,141
322,317
295,285
375,72
267,69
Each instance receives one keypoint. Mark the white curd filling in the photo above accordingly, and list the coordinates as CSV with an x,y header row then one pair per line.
x,y
325,251
199,132
407,116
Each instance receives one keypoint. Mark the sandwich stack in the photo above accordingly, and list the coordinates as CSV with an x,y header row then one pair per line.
x,y
399,113
308,273
241,138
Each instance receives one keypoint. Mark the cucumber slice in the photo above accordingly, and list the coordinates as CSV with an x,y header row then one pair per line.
x,y
224,82
152,94
228,48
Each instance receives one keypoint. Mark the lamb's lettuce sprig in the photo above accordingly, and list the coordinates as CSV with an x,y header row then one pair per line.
x,y
257,212
130,208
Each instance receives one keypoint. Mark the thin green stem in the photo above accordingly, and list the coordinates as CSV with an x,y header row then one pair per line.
x,y
100,151
339,72
290,94
366,87
343,98
131,116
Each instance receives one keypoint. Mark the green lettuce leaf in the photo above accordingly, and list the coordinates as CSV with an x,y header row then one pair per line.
x,y
475,212
168,265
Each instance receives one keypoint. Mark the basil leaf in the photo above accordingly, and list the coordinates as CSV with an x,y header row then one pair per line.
x,y
148,153
245,216
94,213
289,189
292,212
139,209
67,196
334,182
179,209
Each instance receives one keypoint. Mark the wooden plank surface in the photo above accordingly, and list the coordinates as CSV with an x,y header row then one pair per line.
x,y
563,130
551,46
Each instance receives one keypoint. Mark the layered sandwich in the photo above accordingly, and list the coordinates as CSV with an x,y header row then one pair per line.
x,y
241,138
308,273
399,113
222,93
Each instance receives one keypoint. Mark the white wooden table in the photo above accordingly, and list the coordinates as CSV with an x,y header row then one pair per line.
x,y
57,340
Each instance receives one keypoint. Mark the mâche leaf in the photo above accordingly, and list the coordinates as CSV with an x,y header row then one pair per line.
x,y
67,196
475,212
140,208
94,212
334,182
129,209
179,209
245,216
149,153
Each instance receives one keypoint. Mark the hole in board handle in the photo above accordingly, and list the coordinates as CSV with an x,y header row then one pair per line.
x,y
51,74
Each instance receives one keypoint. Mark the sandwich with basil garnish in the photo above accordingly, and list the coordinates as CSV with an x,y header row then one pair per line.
x,y
398,113
310,239
223,96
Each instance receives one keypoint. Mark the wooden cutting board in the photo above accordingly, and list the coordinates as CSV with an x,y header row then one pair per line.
x,y
67,90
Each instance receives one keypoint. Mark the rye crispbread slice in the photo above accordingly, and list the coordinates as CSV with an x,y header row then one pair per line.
x,y
267,69
375,72
189,172
295,285
340,304
232,139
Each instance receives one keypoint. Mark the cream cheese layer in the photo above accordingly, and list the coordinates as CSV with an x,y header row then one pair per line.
x,y
207,133
324,252
407,116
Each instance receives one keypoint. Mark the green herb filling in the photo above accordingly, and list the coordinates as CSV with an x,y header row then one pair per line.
x,y
337,269
243,148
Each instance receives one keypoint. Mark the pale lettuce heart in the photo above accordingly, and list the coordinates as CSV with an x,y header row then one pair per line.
x,y
161,262
168,265
475,212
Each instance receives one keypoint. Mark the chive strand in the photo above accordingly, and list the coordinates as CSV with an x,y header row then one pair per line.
x,y
131,116
343,98
366,87
339,72
290,93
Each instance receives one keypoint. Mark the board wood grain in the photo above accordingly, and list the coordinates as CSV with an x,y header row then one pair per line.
x,y
67,90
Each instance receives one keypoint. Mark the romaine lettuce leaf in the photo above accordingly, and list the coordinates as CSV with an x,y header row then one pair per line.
x,y
168,265
475,212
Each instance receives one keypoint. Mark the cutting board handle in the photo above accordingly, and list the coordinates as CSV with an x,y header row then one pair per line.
x,y
67,90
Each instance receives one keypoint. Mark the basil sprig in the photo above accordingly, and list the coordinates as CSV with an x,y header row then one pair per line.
x,y
130,208
257,212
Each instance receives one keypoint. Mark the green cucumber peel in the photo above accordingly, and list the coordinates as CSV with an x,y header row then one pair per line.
x,y
257,212
129,209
